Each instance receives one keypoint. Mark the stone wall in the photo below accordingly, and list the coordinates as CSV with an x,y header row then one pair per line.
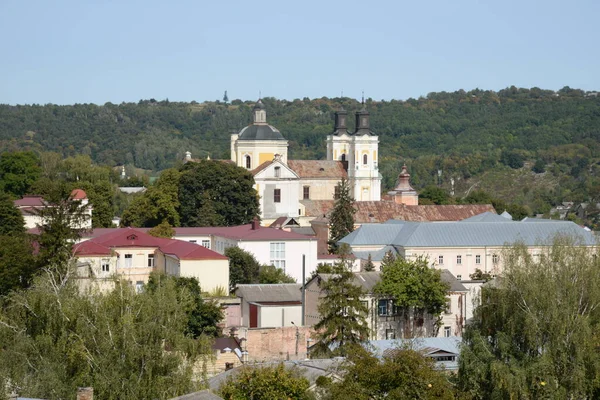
x,y
276,344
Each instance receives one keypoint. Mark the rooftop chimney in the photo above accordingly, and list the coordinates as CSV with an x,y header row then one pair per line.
x,y
255,224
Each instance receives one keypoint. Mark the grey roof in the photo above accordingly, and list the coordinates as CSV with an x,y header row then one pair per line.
x,y
269,293
368,280
132,189
201,395
260,132
486,217
376,255
310,369
303,230
465,233
428,346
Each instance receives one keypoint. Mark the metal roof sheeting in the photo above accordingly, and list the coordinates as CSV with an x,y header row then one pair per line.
x,y
269,293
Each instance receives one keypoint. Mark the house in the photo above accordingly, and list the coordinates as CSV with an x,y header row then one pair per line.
x,y
384,319
270,306
29,206
463,246
445,351
132,254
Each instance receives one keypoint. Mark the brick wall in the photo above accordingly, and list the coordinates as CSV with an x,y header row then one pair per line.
x,y
275,344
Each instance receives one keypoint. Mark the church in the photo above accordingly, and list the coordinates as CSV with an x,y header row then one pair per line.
x,y
286,186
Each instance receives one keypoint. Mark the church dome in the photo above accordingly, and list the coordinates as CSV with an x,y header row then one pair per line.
x,y
260,132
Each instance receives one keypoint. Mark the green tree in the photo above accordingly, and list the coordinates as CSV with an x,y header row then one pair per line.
x,y
539,166
479,275
435,195
369,264
243,267
478,197
416,291
269,274
535,333
388,259
11,219
203,316
163,230
17,262
401,374
228,189
343,315
512,159
277,382
18,171
341,219
125,345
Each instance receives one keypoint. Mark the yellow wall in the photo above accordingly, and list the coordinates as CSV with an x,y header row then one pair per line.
x,y
262,157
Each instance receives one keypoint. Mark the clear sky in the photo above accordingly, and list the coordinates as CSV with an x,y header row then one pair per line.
x,y
95,51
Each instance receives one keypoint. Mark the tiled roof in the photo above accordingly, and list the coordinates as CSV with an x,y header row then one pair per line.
x,y
261,167
269,293
315,169
78,194
464,234
381,211
116,238
30,201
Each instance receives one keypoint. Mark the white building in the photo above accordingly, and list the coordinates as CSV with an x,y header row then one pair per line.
x,y
31,204
270,306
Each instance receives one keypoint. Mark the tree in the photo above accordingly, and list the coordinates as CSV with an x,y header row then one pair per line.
x,y
11,219
478,197
479,275
416,290
268,382
369,264
269,274
18,171
435,195
539,166
388,259
123,344
401,374
225,98
203,316
341,219
17,262
228,189
243,267
512,158
535,332
163,230
343,315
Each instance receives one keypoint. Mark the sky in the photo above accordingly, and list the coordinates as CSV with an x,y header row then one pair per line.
x,y
98,51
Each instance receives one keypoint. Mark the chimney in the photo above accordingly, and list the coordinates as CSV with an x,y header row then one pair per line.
x,y
255,224
85,393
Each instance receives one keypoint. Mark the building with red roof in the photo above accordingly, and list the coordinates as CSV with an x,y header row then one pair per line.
x,y
29,206
132,254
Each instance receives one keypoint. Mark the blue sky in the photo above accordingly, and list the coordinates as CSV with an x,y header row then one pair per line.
x,y
86,51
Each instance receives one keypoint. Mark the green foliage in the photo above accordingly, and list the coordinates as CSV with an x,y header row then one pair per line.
x,y
478,197
17,262
512,159
343,316
415,288
322,268
268,382
18,171
539,166
216,193
203,316
269,274
535,334
388,259
163,230
434,195
125,345
479,275
11,219
243,267
401,374
341,219
369,264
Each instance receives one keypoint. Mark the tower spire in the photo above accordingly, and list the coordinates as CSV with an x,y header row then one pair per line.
x,y
363,98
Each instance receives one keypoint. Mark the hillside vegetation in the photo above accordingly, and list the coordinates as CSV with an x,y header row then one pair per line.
x,y
468,136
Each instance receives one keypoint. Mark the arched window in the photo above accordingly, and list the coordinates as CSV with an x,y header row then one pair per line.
x,y
248,162
364,159
344,157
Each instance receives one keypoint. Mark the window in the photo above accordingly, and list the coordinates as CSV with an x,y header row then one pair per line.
x,y
458,277
390,334
336,193
495,259
383,307
139,287
105,265
151,260
278,255
193,241
248,162
277,172
447,331
277,195
306,192
364,159
448,309
477,259
440,260
206,243
128,260
343,158
459,259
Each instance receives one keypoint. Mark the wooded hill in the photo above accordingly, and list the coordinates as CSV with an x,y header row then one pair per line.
x,y
464,134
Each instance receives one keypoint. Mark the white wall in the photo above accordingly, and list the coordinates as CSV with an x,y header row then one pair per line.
x,y
210,273
294,249
277,316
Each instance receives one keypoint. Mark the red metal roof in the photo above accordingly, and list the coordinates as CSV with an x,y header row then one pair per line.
x,y
30,201
78,194
116,238
242,232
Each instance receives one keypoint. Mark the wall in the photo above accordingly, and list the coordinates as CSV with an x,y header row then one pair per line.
x,y
280,315
320,189
276,344
210,273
